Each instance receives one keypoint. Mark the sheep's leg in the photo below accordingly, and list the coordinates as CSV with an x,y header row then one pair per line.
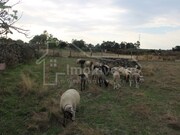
x,y
137,85
81,85
73,116
130,83
119,83
64,120
127,78
100,82
87,82
92,78
114,85
84,84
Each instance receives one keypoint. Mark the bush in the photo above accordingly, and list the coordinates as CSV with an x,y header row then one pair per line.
x,y
13,54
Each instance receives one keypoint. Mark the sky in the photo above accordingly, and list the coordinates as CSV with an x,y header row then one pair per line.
x,y
156,23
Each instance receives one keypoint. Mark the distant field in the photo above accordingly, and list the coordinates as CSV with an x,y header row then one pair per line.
x,y
29,108
66,53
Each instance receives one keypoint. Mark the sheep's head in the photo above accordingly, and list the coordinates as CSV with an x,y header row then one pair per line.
x,y
68,115
82,76
68,109
81,61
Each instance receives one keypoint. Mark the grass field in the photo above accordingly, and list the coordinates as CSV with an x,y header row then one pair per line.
x,y
29,108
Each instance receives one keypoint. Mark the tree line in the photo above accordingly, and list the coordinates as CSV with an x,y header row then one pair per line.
x,y
107,46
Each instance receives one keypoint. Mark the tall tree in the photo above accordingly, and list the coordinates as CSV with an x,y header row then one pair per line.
x,y
79,43
8,18
39,39
63,44
137,44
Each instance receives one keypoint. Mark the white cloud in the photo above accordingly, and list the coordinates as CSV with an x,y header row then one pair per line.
x,y
94,21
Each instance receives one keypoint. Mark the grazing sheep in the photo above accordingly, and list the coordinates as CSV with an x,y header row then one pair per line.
x,y
77,61
81,62
89,64
135,78
105,69
125,73
113,69
94,76
116,79
134,70
98,64
100,77
68,103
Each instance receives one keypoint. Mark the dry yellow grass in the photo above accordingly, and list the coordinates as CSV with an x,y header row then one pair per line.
x,y
149,70
26,85
39,121
150,57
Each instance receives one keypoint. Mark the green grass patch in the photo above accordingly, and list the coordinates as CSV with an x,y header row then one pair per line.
x,y
154,108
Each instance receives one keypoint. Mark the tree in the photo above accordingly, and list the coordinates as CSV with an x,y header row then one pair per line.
x,y
44,39
176,48
107,45
8,17
79,43
62,44
130,46
137,44
20,42
38,39
123,45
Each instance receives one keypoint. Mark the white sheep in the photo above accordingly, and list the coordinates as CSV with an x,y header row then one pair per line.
x,y
134,70
89,64
94,76
101,79
68,104
116,80
125,72
135,78
113,69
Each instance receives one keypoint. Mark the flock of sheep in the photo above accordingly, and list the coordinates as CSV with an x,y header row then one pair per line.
x,y
98,74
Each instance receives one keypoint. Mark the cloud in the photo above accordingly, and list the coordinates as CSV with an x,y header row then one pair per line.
x,y
95,21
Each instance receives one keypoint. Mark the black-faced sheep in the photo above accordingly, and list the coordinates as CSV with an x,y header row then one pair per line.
x,y
106,69
68,104
81,62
